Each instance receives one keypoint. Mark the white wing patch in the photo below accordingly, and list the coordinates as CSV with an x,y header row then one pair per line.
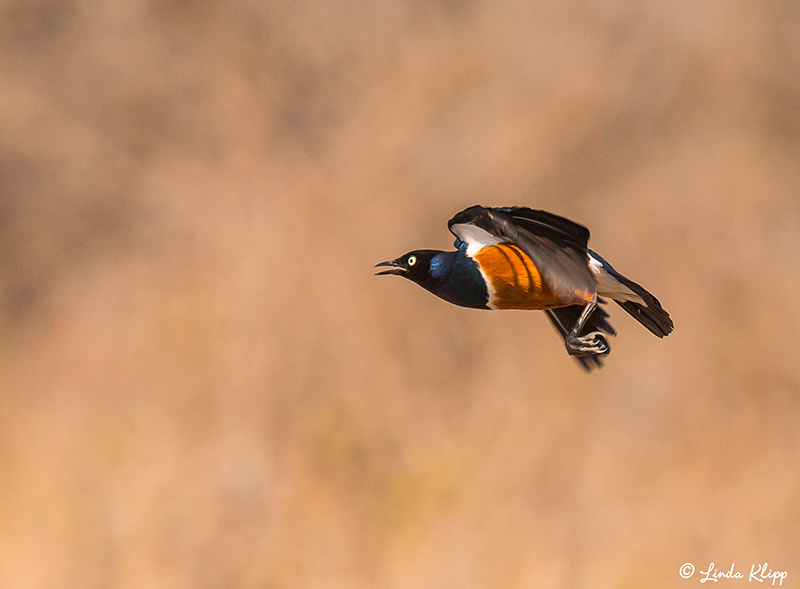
x,y
608,286
475,237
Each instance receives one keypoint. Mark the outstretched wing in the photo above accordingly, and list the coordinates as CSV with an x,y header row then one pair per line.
x,y
557,246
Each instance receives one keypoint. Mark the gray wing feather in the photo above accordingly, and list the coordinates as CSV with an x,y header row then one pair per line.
x,y
557,246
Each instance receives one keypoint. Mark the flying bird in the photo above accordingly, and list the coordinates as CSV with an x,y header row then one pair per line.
x,y
521,258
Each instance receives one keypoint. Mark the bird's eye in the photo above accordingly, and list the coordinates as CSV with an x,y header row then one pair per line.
x,y
412,260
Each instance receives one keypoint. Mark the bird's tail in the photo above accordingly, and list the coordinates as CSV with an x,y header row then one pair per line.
x,y
634,298
650,313
564,318
652,316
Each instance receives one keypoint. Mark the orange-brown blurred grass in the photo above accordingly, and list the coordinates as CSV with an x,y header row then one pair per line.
x,y
204,385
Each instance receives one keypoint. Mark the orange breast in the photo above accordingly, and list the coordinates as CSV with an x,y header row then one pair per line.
x,y
515,280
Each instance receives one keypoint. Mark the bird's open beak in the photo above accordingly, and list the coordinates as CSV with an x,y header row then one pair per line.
x,y
394,268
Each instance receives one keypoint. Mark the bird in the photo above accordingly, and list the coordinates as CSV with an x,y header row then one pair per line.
x,y
515,257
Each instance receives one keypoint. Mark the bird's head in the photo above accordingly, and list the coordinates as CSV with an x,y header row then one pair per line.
x,y
416,266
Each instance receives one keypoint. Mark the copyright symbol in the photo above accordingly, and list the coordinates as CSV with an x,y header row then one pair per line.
x,y
687,570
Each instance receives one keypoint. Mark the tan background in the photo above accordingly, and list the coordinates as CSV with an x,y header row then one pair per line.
x,y
203,385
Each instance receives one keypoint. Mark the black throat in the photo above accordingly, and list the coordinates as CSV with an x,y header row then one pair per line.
x,y
456,278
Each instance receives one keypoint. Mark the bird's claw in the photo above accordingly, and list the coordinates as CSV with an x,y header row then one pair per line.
x,y
591,344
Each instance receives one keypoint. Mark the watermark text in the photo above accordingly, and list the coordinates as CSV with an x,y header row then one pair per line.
x,y
760,572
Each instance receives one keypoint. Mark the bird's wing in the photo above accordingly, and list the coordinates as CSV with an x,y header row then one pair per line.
x,y
556,245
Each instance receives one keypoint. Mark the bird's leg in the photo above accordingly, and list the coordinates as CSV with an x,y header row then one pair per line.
x,y
590,344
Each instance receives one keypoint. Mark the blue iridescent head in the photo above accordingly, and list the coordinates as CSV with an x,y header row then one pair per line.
x,y
420,266
453,276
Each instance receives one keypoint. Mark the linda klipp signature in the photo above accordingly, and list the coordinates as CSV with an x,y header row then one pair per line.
x,y
759,573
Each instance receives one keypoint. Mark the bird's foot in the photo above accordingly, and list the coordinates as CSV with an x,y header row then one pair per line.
x,y
591,344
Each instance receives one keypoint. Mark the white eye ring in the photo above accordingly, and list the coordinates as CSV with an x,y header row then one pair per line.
x,y
412,260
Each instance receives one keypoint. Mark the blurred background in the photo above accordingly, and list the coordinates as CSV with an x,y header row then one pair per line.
x,y
203,385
